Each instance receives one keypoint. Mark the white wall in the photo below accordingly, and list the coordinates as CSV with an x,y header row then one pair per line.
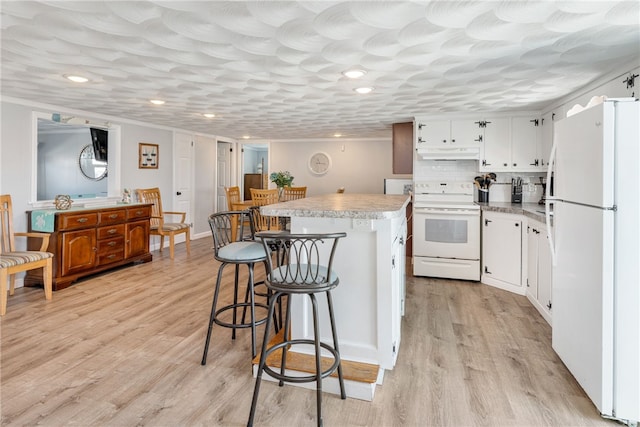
x,y
360,168
204,185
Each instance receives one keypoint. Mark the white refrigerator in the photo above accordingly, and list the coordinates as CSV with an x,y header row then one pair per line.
x,y
595,248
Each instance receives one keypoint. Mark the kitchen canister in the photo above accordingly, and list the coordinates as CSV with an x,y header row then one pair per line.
x,y
483,195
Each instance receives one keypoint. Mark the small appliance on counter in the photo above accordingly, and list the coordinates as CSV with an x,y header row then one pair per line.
x,y
398,186
516,190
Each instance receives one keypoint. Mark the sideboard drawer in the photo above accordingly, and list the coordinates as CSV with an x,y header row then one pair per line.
x,y
139,212
79,220
110,231
112,217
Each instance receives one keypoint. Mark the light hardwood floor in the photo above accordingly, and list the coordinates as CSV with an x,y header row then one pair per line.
x,y
124,349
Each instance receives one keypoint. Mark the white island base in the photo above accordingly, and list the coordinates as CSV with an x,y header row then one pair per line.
x,y
370,262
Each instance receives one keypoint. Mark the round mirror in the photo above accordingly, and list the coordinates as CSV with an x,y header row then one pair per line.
x,y
89,166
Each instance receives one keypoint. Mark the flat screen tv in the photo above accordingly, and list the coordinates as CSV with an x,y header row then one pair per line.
x,y
100,140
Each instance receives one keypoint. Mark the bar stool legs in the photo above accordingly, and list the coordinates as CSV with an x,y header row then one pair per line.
x,y
319,374
215,316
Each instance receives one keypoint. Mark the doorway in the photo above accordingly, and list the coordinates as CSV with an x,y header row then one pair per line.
x,y
255,167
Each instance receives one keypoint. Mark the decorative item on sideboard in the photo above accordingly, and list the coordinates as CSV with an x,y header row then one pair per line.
x,y
63,202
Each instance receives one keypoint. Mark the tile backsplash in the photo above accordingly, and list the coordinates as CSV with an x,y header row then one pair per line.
x,y
466,170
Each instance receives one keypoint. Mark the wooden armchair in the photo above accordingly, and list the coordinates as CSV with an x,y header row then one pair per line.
x,y
13,261
158,225
293,193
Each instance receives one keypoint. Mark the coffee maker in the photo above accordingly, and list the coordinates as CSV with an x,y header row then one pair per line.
x,y
543,183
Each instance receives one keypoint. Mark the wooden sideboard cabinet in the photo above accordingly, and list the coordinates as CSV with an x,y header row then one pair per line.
x,y
88,241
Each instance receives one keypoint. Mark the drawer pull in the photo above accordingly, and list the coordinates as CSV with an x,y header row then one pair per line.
x,y
138,213
112,256
112,231
83,220
111,244
113,216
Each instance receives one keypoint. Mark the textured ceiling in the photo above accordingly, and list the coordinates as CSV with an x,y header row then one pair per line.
x,y
273,69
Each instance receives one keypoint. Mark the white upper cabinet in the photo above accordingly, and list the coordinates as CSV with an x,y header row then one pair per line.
x,y
466,132
513,144
495,154
526,147
461,133
546,135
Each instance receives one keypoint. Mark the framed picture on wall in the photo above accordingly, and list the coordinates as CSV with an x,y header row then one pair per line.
x,y
148,156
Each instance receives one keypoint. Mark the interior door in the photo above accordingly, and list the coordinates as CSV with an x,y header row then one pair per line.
x,y
183,177
224,174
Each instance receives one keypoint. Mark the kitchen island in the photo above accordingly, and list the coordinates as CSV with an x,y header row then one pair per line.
x,y
370,262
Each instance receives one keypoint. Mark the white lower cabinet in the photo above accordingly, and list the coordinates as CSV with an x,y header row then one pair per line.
x,y
539,269
502,239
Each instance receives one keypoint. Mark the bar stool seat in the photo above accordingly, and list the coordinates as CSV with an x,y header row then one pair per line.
x,y
300,264
233,250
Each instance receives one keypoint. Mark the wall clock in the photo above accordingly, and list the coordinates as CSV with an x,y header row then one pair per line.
x,y
319,163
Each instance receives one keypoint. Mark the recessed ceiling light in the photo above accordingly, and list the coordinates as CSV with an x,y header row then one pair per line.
x,y
156,101
209,115
337,135
363,89
76,79
354,74
245,137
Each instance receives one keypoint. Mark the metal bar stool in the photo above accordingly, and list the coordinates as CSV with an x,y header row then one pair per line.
x,y
301,265
235,252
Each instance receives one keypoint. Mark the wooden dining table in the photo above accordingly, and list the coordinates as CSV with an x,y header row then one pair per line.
x,y
238,206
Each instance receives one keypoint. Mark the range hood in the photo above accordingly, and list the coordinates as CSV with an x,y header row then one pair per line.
x,y
448,153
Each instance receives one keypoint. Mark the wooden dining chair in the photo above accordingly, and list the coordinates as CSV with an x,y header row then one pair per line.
x,y
158,225
293,193
263,198
233,196
13,261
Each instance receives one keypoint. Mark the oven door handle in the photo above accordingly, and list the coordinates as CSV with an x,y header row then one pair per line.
x,y
428,211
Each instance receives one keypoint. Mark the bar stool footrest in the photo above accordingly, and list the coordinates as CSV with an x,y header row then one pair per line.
x,y
239,306
302,378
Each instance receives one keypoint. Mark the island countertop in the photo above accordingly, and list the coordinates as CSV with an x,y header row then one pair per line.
x,y
361,206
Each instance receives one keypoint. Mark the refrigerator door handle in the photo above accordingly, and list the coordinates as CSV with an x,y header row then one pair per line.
x,y
547,216
549,203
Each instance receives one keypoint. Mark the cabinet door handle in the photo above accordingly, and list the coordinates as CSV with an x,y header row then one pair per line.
x,y
505,165
479,139
486,270
453,140
486,222
178,193
517,224
514,165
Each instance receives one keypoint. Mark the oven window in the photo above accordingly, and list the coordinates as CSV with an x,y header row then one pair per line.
x,y
446,230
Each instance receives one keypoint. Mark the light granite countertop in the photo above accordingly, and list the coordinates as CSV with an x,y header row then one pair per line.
x,y
361,206
530,210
